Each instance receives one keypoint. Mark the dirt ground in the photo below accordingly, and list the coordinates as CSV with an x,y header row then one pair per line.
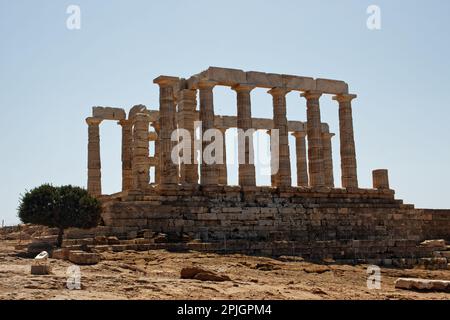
x,y
156,275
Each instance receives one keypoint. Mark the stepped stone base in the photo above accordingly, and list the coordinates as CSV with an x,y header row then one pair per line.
x,y
326,223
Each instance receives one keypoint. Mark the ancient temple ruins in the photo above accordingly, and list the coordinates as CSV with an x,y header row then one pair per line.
x,y
196,198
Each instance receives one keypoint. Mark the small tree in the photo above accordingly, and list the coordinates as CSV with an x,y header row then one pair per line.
x,y
60,207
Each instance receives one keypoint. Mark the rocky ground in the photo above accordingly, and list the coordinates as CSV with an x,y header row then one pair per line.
x,y
156,275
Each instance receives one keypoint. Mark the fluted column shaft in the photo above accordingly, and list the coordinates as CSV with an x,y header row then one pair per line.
x,y
244,122
347,141
302,167
328,159
140,152
223,172
127,141
314,133
208,173
155,125
283,177
94,184
187,103
167,111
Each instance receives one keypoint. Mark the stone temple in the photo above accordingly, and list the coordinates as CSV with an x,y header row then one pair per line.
x,y
314,219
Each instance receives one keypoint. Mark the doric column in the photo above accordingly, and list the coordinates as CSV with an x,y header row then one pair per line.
x,y
155,125
328,159
348,154
272,158
244,122
187,103
314,133
127,141
94,184
302,167
167,111
208,173
223,173
283,177
140,152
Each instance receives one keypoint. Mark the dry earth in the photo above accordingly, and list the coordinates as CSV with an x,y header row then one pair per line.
x,y
156,275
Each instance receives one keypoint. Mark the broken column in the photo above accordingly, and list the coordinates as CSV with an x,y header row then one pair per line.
x,y
94,184
347,140
283,177
314,132
380,179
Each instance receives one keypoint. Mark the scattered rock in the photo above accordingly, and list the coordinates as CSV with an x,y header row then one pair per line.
x,y
84,258
436,263
291,259
202,274
422,284
100,240
113,240
160,238
316,269
438,244
62,254
266,267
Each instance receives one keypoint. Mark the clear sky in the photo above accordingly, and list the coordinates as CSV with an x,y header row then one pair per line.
x,y
50,77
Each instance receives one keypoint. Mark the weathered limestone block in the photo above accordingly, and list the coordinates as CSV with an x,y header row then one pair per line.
x,y
84,258
331,86
224,76
264,80
422,284
298,83
108,113
380,179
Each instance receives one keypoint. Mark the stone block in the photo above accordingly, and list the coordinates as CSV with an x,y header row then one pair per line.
x,y
264,80
225,76
298,83
108,113
331,86
84,258
40,269
422,284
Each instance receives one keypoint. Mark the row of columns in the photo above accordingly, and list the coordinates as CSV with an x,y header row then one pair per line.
x,y
314,170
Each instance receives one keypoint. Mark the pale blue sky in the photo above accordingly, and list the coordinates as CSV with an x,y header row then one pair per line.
x,y
51,76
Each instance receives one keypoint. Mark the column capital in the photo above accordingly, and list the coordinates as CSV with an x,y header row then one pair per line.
x,y
311,94
243,87
328,135
166,81
345,97
278,91
93,121
124,122
206,84
299,134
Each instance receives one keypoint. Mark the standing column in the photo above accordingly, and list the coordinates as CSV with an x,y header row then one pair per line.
x,y
223,173
140,153
348,154
127,140
328,159
302,167
314,132
94,184
273,157
155,125
168,169
283,177
208,173
244,122
186,118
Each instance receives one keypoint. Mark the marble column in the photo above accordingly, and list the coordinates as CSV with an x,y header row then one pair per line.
x,y
167,111
314,133
328,159
347,141
127,141
244,122
94,184
187,104
155,125
140,153
302,167
283,177
272,158
223,173
208,173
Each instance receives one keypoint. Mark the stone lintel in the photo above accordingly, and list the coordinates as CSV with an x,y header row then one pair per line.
x,y
109,113
331,86
166,81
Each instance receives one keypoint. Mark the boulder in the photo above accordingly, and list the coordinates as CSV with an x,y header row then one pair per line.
x,y
422,284
201,274
84,258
